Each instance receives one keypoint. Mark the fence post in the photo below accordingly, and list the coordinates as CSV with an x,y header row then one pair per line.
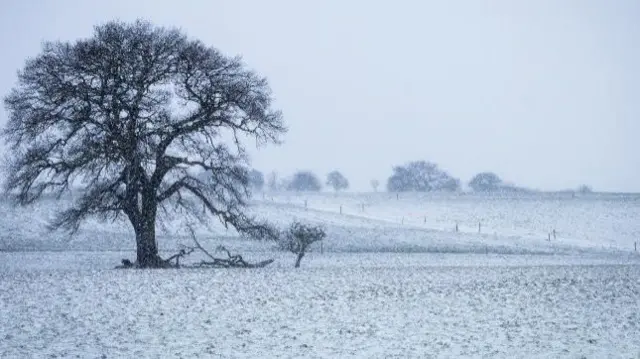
x,y
340,209
457,228
402,220
397,196
554,234
425,219
635,246
479,227
321,247
305,204
363,207
549,237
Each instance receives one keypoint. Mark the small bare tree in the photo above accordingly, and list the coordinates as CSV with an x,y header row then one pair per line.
x,y
133,114
375,183
299,237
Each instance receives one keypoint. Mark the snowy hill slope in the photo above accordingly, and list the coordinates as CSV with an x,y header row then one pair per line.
x,y
595,221
373,223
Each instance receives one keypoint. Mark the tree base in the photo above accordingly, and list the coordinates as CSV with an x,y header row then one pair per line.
x,y
157,263
233,261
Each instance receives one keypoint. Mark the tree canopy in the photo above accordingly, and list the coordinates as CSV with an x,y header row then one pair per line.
x,y
485,182
304,181
337,181
421,176
374,184
135,114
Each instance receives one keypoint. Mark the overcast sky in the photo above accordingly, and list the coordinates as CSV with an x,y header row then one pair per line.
x,y
545,93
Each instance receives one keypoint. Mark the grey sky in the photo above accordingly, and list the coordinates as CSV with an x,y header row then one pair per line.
x,y
545,93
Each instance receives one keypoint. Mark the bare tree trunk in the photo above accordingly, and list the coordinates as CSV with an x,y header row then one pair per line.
x,y
300,255
146,244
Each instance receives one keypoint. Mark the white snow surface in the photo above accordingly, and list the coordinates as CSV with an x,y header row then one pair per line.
x,y
392,280
377,222
334,307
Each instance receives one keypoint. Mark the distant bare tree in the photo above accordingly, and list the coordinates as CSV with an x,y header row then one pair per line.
x,y
272,181
485,182
256,179
299,237
584,189
304,181
337,181
421,176
133,114
375,183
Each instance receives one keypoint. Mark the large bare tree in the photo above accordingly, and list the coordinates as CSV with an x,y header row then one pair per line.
x,y
148,121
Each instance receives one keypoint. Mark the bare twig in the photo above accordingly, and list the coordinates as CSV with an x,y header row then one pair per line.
x,y
198,246
183,252
222,248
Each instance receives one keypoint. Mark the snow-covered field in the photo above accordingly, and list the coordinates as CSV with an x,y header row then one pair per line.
x,y
379,222
393,280
338,308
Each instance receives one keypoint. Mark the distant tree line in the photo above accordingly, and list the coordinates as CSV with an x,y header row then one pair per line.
x,y
301,181
414,176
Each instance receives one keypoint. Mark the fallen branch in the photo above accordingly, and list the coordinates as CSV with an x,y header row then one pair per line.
x,y
225,263
183,252
198,246
233,261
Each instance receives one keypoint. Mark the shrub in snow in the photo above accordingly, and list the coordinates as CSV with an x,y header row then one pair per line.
x,y
299,237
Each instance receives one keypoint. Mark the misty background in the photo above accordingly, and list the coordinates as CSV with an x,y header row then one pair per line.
x,y
544,93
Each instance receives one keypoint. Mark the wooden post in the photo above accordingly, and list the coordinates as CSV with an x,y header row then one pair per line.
x,y
363,207
549,238
305,203
554,234
635,246
321,247
402,220
397,196
457,228
340,209
479,227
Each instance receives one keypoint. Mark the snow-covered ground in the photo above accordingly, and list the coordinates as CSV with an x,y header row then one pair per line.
x,y
379,222
393,280
334,307
507,224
